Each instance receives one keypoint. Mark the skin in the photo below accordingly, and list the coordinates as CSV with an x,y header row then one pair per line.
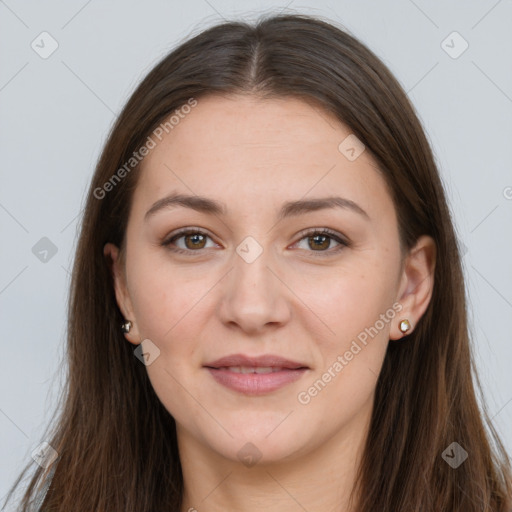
x,y
299,300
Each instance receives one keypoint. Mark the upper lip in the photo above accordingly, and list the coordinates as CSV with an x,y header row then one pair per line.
x,y
267,360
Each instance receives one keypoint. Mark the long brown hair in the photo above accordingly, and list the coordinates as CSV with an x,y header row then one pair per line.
x,y
117,443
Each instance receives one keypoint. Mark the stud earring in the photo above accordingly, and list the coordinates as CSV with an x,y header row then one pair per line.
x,y
404,326
126,326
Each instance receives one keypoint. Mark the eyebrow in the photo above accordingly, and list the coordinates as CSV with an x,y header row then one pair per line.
x,y
289,209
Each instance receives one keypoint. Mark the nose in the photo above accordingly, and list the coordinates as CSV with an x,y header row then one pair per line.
x,y
254,297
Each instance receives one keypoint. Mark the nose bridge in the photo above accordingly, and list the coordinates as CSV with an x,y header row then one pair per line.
x,y
253,296
251,273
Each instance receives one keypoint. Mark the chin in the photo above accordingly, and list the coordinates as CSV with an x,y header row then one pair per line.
x,y
257,452
263,443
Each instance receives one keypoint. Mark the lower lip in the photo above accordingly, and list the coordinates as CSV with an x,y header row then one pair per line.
x,y
256,383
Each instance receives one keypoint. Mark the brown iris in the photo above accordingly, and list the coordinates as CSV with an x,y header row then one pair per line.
x,y
316,237
196,237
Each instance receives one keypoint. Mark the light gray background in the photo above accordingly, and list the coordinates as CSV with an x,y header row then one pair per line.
x,y
55,114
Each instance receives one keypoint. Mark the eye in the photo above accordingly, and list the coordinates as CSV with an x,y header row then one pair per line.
x,y
321,240
194,240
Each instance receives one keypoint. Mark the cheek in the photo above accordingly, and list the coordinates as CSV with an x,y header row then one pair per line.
x,y
348,301
358,309
167,306
163,300
357,306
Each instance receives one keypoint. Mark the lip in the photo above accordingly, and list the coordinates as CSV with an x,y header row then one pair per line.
x,y
255,362
255,383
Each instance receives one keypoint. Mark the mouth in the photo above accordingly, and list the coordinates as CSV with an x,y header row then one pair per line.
x,y
255,376
253,369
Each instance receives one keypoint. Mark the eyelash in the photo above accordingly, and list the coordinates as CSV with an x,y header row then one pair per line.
x,y
304,234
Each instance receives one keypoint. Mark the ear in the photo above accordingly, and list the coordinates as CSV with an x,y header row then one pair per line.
x,y
111,253
416,285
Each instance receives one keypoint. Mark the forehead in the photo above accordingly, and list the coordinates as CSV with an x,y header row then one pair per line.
x,y
241,147
245,125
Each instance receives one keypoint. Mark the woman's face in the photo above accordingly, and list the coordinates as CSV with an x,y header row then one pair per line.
x,y
256,281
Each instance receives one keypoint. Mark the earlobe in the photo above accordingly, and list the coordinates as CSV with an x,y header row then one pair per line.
x,y
128,327
416,287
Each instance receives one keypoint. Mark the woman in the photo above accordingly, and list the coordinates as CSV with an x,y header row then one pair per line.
x,y
268,305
